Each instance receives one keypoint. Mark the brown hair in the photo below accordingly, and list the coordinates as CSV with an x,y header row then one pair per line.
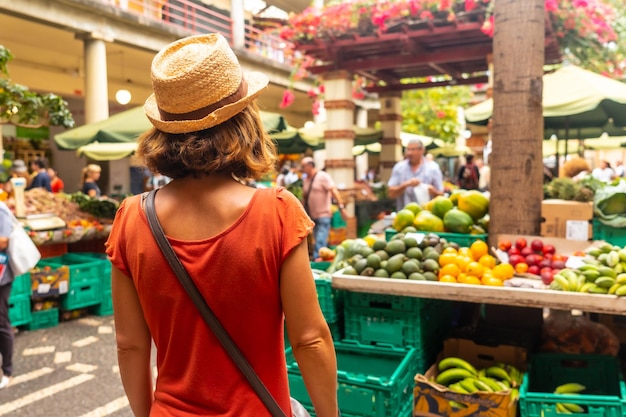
x,y
239,146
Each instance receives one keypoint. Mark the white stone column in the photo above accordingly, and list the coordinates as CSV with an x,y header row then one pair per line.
x,y
237,15
390,117
96,83
339,138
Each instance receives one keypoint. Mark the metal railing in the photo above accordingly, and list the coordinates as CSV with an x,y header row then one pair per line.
x,y
198,17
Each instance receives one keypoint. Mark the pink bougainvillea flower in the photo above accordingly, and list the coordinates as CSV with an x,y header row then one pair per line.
x,y
426,15
487,28
322,89
288,99
470,5
312,93
580,3
552,5
315,108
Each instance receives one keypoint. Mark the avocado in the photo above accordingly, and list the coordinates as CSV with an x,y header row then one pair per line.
x,y
430,276
381,273
360,265
379,244
367,272
350,271
373,261
395,247
409,267
382,254
416,276
398,275
414,253
430,265
410,242
395,263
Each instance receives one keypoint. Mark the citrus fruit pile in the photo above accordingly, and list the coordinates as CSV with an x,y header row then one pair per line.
x,y
473,265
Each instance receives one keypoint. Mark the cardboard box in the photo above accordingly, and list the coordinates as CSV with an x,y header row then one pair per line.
x,y
432,399
567,219
46,281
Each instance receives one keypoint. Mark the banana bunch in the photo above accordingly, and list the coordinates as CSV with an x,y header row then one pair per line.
x,y
463,378
604,270
571,388
590,278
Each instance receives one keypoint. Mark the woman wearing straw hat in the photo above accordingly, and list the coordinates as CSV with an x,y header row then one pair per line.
x,y
244,248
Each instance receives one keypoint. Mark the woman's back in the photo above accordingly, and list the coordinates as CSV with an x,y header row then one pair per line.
x,y
237,271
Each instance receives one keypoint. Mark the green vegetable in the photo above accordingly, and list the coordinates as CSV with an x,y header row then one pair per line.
x,y
609,204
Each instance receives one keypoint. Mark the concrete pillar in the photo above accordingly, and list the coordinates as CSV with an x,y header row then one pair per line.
x,y
96,83
339,138
390,117
237,16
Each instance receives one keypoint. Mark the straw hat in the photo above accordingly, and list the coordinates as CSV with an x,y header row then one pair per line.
x,y
198,83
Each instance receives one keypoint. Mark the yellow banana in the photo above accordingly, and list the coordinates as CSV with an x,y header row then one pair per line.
x,y
492,383
456,387
614,288
498,373
452,375
612,258
619,268
621,278
605,271
456,404
561,281
570,388
622,254
482,386
468,385
621,291
454,362
588,267
591,274
586,286
560,408
574,408
598,290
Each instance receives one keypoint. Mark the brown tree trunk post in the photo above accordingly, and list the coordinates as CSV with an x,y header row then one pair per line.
x,y
517,131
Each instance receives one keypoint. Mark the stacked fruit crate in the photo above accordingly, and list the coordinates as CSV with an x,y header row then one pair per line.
x,y
19,301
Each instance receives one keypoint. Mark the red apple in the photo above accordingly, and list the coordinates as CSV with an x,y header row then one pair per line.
x,y
514,251
548,256
548,249
545,263
534,259
534,269
536,245
557,265
515,259
520,243
526,251
546,275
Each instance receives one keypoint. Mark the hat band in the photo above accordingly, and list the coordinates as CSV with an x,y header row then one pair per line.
x,y
203,112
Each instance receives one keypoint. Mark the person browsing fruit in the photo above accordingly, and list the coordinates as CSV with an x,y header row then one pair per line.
x,y
245,249
411,172
318,188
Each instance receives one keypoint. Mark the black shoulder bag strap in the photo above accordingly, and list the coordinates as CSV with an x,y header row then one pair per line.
x,y
206,312
307,193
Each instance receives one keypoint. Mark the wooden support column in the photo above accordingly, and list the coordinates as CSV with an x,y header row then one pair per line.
x,y
339,138
390,117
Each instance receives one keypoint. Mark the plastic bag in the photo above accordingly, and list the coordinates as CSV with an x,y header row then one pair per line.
x,y
567,333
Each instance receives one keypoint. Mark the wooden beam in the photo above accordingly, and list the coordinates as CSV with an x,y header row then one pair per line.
x,y
417,86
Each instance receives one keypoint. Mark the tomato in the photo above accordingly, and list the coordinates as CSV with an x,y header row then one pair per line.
x,y
520,243
505,245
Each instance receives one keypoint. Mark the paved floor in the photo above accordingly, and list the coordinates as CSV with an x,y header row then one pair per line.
x,y
66,371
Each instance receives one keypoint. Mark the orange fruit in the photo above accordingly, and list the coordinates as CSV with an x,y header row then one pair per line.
x,y
447,278
474,269
447,258
465,252
491,281
450,269
469,280
463,261
521,267
479,248
487,261
450,249
503,271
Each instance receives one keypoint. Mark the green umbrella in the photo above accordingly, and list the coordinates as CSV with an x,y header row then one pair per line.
x,y
126,127
572,98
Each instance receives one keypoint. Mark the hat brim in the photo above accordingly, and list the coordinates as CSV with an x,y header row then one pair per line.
x,y
256,81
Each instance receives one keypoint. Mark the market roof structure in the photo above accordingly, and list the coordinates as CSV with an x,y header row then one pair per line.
x,y
412,49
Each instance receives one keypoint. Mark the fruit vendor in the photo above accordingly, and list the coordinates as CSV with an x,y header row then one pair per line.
x,y
415,179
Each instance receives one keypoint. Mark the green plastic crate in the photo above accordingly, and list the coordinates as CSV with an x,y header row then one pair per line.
x,y
82,268
407,411
87,294
387,302
373,381
604,394
463,240
105,275
321,265
21,285
19,310
43,319
105,308
331,300
613,235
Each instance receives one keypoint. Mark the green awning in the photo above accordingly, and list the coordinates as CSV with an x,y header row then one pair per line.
x,y
107,151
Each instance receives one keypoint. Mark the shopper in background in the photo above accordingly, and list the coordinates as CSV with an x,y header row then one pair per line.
x,y
88,185
604,172
468,177
619,169
484,172
318,189
6,282
56,183
413,171
41,179
18,170
244,248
